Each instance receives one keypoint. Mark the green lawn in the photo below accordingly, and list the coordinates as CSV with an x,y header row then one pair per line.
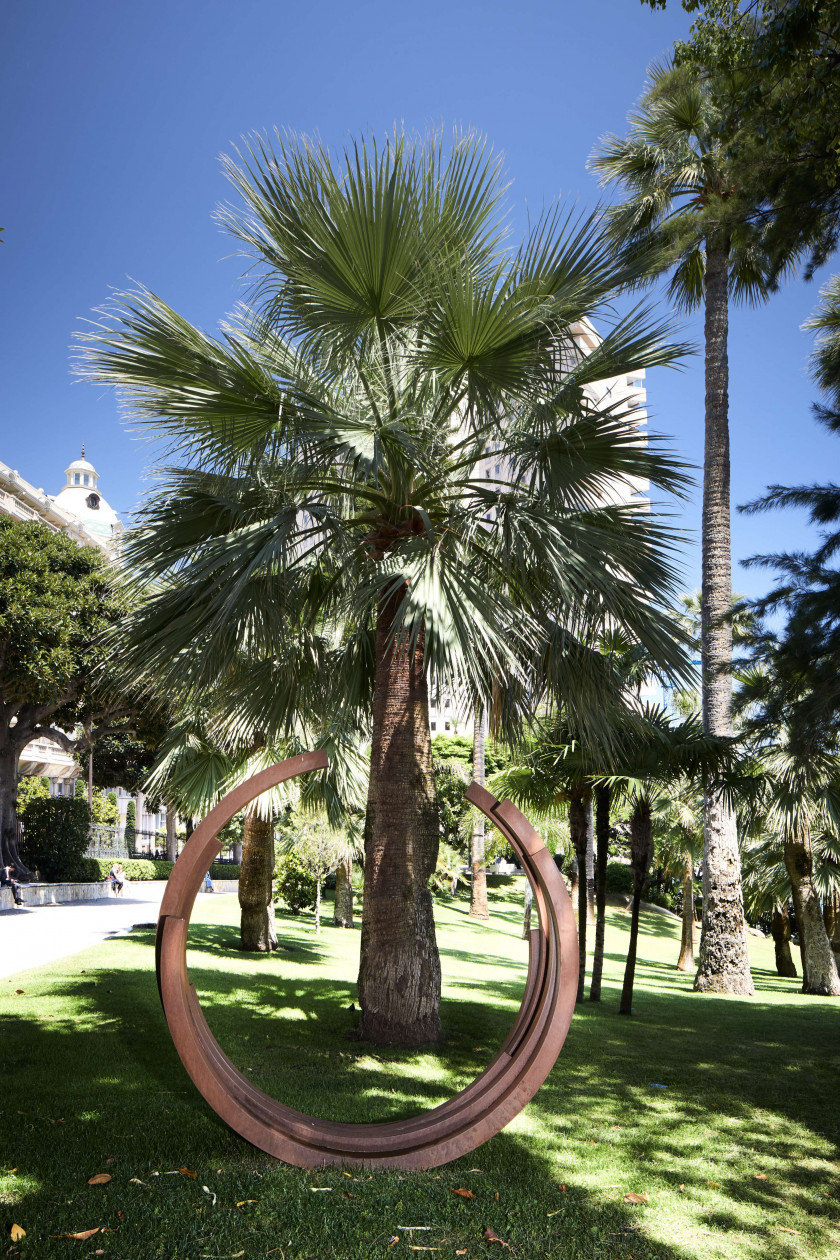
x,y
737,1156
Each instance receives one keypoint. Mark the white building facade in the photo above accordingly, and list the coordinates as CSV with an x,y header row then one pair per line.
x,y
626,396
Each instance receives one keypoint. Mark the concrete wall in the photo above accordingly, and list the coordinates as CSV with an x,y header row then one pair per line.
x,y
61,894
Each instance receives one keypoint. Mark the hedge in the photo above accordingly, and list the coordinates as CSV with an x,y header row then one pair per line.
x,y
94,869
55,835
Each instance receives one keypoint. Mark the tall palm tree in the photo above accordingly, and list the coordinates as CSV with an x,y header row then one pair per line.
x,y
658,755
678,826
323,514
684,213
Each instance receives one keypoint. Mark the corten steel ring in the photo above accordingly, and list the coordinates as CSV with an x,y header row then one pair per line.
x,y
434,1137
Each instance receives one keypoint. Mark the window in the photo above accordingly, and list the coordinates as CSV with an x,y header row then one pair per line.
x,y
93,501
87,480
498,469
447,704
433,725
447,726
77,479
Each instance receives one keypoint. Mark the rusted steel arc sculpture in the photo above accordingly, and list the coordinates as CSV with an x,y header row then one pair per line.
x,y
425,1141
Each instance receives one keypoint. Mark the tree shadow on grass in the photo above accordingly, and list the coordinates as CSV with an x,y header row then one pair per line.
x,y
748,1084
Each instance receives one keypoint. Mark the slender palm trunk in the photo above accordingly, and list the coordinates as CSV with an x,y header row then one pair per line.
x,y
318,905
399,969
578,832
819,969
780,929
641,852
831,919
171,834
256,900
724,963
529,903
602,850
686,958
590,864
343,909
574,881
478,891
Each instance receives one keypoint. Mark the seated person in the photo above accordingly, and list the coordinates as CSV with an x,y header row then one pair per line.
x,y
6,881
116,878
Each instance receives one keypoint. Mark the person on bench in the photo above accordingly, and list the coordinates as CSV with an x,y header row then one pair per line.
x,y
6,881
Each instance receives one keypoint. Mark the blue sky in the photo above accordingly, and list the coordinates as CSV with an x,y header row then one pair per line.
x,y
114,117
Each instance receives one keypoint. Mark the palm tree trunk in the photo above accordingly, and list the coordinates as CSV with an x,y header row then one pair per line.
x,y
399,969
478,890
819,970
724,963
780,929
529,903
602,850
590,864
578,833
171,834
256,900
343,909
686,958
641,852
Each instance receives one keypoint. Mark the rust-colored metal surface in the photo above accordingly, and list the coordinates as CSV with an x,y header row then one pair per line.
x,y
425,1141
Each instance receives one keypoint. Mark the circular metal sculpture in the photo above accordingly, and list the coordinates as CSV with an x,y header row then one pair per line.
x,y
424,1141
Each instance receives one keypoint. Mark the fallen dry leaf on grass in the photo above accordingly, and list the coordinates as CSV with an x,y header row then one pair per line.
x,y
81,1236
491,1237
635,1198
461,1252
464,1194
138,1182
241,1201
187,1172
395,1239
760,1176
99,1179
787,1230
17,1232
713,1185
19,991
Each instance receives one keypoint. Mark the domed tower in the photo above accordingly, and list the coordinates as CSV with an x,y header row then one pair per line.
x,y
80,496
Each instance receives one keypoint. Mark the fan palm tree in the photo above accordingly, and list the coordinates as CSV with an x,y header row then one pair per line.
x,y
201,759
795,793
659,754
684,213
678,827
322,513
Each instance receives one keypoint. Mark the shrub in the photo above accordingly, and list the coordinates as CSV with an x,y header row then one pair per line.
x,y
31,787
619,878
130,833
295,886
105,809
88,869
55,835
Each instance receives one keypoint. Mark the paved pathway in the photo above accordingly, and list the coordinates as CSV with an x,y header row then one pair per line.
x,y
32,936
